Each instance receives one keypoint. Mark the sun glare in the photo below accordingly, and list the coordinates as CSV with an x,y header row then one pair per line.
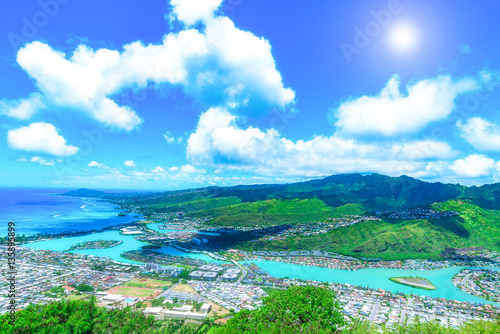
x,y
403,37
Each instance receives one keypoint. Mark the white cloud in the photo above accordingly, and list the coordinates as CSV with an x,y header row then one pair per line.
x,y
474,166
192,11
97,164
173,169
206,61
219,142
40,137
42,161
81,82
22,159
246,68
24,108
481,134
190,169
158,170
129,163
392,113
168,137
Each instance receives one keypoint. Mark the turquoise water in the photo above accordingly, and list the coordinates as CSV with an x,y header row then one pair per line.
x,y
129,243
375,278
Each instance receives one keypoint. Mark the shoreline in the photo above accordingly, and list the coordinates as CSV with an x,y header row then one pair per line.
x,y
73,234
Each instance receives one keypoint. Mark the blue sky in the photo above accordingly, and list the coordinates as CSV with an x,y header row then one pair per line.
x,y
187,93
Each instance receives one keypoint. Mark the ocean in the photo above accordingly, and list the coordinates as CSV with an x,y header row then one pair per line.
x,y
36,210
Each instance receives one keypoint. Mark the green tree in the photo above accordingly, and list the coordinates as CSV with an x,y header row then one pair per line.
x,y
300,309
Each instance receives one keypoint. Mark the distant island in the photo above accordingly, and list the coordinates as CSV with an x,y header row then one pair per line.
x,y
415,282
96,244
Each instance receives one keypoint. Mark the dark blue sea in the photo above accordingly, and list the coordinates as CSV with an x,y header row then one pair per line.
x,y
44,211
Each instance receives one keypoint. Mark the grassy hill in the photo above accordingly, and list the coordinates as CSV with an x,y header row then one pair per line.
x,y
406,239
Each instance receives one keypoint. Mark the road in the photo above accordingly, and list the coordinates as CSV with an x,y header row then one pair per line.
x,y
376,306
465,281
244,271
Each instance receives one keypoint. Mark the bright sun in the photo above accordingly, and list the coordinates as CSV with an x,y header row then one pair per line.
x,y
403,37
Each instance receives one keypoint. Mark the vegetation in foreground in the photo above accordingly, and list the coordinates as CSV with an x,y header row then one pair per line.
x,y
77,316
300,309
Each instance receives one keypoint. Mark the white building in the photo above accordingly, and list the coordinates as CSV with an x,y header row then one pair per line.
x,y
153,310
205,308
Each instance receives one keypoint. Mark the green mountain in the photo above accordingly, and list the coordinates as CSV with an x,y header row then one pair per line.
x,y
477,223
318,199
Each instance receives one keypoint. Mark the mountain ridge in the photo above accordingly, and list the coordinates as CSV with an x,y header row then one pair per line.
x,y
374,191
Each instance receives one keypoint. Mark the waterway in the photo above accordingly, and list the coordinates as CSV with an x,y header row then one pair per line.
x,y
372,278
376,278
128,244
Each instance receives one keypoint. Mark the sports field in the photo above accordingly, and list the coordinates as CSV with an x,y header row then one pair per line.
x,y
132,291
148,283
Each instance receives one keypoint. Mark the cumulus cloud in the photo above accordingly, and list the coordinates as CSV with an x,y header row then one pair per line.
x,y
24,108
481,134
42,161
40,137
219,142
96,164
215,57
22,159
79,82
474,165
129,163
188,169
173,169
393,112
158,170
191,11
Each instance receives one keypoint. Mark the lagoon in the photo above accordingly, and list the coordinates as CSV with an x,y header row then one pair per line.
x,y
129,243
375,278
